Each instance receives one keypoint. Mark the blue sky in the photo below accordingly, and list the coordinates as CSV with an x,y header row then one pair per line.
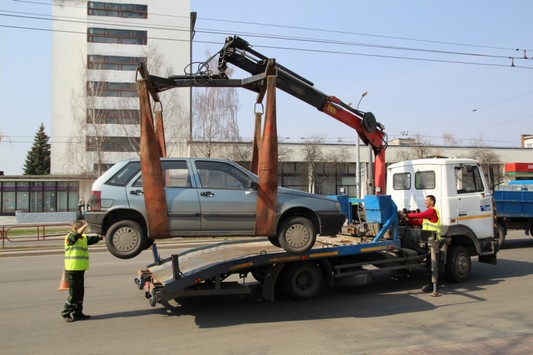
x,y
430,67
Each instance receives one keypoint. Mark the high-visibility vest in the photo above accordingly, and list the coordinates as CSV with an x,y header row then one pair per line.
x,y
77,254
434,227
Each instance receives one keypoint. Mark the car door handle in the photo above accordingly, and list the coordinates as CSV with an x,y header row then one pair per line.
x,y
137,192
207,194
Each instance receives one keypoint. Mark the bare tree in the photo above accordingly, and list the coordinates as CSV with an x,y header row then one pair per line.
x,y
488,159
110,126
322,166
449,140
418,150
4,138
215,116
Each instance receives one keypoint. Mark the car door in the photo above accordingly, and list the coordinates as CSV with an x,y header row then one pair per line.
x,y
473,200
183,206
227,200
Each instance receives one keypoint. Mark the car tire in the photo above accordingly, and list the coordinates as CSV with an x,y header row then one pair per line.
x,y
274,241
297,235
126,239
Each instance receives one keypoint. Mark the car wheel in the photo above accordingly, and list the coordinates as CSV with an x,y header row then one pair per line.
x,y
458,264
125,239
274,241
149,243
303,281
297,235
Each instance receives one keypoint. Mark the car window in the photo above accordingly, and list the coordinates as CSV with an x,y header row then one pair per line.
x,y
175,174
124,175
221,175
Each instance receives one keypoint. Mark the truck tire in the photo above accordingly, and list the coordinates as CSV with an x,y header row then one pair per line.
x,y
297,235
303,281
126,239
501,235
458,264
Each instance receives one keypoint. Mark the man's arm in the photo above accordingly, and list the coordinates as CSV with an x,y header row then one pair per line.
x,y
430,214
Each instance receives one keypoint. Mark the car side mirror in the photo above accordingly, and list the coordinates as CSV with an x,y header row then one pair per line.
x,y
254,185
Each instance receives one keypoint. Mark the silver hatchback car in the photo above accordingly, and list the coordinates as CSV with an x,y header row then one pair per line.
x,y
205,197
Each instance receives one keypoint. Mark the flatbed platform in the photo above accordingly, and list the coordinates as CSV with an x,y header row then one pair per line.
x,y
198,269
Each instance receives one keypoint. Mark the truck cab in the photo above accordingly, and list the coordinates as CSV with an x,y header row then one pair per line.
x,y
463,199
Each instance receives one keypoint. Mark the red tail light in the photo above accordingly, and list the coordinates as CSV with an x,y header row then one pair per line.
x,y
95,201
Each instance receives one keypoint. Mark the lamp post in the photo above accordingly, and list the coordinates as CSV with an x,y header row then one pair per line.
x,y
358,158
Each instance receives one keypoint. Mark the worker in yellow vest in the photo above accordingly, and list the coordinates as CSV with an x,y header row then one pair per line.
x,y
76,263
429,219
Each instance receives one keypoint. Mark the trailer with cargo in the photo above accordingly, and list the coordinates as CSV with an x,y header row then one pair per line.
x,y
514,208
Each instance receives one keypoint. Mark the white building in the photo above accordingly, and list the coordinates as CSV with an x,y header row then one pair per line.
x,y
96,47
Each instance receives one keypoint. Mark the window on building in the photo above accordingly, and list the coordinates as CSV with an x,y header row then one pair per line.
x,y
49,197
23,196
108,35
8,197
36,196
111,116
113,144
110,62
108,89
98,8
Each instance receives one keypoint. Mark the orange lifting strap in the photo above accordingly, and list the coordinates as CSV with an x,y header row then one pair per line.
x,y
160,131
267,193
154,194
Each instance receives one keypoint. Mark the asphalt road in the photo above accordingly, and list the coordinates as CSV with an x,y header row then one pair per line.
x,y
490,314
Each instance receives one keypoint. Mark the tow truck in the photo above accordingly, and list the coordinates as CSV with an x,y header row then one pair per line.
x,y
376,241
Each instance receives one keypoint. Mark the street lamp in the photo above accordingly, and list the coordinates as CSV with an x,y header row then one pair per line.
x,y
358,158
362,95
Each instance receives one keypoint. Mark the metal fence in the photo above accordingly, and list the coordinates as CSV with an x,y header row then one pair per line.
x,y
31,233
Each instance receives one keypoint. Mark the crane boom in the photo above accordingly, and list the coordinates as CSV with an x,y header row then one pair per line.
x,y
239,53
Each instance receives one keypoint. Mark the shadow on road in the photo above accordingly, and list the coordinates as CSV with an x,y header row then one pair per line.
x,y
385,296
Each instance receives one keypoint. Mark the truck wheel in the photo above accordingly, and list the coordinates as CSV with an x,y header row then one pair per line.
x,y
297,235
260,274
125,239
501,235
458,264
303,281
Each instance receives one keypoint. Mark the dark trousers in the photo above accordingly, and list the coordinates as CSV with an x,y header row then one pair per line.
x,y
76,291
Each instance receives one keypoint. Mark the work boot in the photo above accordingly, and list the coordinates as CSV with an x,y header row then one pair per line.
x,y
69,318
81,316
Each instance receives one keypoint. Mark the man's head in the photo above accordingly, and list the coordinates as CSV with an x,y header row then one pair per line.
x,y
77,225
430,201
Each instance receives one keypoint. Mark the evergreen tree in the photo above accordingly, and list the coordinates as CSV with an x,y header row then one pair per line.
x,y
38,158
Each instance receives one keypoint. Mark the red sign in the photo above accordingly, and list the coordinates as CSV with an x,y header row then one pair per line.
x,y
519,168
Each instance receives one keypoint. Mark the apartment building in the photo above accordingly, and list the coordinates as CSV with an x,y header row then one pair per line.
x,y
96,48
